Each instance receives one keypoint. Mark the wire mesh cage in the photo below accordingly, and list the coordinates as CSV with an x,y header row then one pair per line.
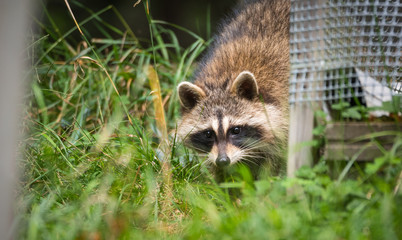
x,y
345,50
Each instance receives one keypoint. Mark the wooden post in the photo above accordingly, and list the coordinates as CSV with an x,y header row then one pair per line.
x,y
300,132
14,15
302,112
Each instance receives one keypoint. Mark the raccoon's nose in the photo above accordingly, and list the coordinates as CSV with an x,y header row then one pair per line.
x,y
222,161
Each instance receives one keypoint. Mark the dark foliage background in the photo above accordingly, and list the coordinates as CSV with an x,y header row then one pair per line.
x,y
193,15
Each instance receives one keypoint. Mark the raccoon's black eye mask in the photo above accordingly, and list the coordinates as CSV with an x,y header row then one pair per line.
x,y
243,136
239,136
203,140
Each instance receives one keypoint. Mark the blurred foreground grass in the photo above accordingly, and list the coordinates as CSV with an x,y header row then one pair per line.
x,y
92,157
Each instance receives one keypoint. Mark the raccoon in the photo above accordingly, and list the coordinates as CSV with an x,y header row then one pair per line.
x,y
235,110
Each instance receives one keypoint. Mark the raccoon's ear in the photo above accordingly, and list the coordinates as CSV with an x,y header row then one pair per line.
x,y
245,86
189,94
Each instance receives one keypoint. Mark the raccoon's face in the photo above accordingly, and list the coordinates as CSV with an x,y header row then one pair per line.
x,y
225,142
230,125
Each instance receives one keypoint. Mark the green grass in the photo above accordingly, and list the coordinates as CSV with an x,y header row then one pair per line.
x,y
92,168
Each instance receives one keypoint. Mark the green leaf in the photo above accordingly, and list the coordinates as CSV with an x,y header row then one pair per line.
x,y
372,168
351,113
319,130
305,172
320,114
393,106
340,105
388,106
321,168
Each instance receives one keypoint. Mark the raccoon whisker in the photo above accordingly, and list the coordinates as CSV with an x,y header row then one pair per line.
x,y
254,144
253,157
201,151
204,163
260,148
250,142
247,160
252,154
256,149
243,164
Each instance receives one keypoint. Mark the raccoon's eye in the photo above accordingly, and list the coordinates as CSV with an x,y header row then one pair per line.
x,y
236,130
208,133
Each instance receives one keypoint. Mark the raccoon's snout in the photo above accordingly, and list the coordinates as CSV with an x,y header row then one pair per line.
x,y
222,161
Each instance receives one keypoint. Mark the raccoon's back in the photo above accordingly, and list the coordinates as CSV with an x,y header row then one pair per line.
x,y
254,38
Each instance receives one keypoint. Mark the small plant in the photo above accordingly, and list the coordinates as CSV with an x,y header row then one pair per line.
x,y
393,107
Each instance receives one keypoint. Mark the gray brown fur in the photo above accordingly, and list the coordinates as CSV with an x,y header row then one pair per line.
x,y
254,39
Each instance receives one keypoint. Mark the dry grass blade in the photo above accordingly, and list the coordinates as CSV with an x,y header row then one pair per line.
x,y
138,2
158,105
72,15
161,126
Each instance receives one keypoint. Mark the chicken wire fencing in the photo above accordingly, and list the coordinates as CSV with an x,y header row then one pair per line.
x,y
345,50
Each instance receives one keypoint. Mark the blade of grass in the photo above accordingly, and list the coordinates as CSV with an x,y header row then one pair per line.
x,y
184,66
55,27
125,24
209,35
67,34
99,63
164,146
110,127
161,43
178,27
108,25
157,102
41,102
49,139
351,162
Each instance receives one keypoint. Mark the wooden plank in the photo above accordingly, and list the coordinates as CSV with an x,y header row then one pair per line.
x,y
351,130
345,140
339,151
